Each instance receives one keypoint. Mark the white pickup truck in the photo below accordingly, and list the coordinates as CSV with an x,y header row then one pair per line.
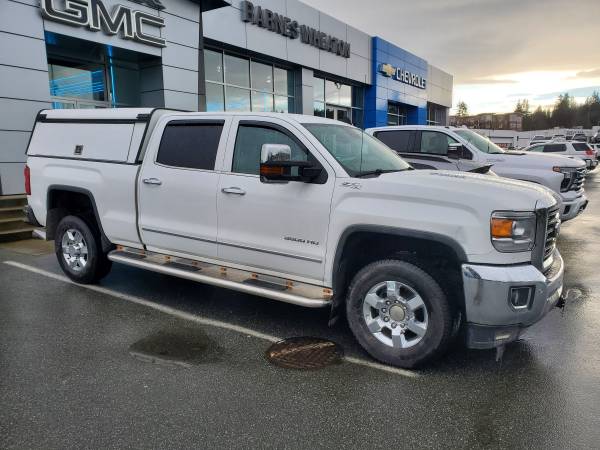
x,y
302,210
451,148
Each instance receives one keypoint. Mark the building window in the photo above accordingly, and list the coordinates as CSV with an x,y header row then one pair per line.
x,y
436,115
338,101
396,114
82,74
235,83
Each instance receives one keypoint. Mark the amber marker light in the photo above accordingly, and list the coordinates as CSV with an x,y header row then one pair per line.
x,y
502,228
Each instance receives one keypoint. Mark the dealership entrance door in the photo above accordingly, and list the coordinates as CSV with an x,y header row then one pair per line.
x,y
339,113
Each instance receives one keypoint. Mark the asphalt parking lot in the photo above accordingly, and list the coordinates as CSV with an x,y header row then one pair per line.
x,y
75,370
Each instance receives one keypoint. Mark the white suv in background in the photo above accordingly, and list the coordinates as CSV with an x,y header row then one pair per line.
x,y
461,149
572,149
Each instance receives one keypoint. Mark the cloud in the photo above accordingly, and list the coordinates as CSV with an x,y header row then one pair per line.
x,y
477,41
592,73
484,81
578,92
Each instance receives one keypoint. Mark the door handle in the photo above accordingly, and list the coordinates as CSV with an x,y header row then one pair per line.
x,y
154,181
233,190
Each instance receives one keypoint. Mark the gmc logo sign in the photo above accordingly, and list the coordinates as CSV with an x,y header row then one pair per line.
x,y
92,14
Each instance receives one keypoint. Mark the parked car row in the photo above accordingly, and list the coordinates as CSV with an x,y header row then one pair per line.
x,y
575,137
316,213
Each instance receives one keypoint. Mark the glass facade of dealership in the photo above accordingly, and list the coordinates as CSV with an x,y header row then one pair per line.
x,y
239,65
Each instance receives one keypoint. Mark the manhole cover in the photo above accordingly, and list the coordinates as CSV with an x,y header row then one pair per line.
x,y
304,353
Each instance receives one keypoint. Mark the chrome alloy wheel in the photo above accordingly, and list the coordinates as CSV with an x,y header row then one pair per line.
x,y
75,250
395,314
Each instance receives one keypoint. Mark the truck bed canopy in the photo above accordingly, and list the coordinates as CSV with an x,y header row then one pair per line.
x,y
105,135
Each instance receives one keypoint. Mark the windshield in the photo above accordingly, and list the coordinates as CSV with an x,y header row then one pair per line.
x,y
356,151
482,143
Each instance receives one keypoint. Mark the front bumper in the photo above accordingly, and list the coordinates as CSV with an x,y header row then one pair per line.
x,y
572,208
491,319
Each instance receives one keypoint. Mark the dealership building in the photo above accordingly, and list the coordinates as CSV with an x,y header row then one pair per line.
x,y
215,55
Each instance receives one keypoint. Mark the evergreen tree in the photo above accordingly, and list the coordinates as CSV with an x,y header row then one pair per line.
x,y
462,109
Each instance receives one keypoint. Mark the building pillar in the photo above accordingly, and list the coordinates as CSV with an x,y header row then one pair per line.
x,y
304,91
24,88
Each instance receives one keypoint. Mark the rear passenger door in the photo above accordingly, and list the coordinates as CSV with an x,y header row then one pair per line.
x,y
177,186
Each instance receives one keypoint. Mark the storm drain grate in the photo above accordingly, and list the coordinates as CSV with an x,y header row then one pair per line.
x,y
306,353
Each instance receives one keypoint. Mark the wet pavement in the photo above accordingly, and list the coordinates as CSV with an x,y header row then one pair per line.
x,y
83,368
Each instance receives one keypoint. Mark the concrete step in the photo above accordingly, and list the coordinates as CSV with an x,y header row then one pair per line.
x,y
15,212
15,223
23,232
10,201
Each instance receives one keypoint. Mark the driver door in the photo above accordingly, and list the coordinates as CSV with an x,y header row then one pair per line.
x,y
277,227
432,151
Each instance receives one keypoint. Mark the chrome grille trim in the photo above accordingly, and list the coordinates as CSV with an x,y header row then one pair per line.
x,y
552,229
578,180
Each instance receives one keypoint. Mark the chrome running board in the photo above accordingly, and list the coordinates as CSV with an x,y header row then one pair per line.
x,y
275,288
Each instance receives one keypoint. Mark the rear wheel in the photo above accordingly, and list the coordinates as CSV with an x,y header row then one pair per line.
x,y
79,253
398,313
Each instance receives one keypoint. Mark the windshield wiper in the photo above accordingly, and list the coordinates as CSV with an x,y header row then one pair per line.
x,y
375,172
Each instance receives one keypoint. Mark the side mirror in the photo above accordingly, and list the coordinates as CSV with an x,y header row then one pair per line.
x,y
458,151
276,165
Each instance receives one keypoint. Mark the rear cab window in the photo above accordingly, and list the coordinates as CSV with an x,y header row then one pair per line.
x,y
402,141
190,144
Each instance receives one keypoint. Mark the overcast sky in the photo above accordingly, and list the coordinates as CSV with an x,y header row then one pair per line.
x,y
497,50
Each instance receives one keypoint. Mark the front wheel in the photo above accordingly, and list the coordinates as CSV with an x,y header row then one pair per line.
x,y
398,313
79,251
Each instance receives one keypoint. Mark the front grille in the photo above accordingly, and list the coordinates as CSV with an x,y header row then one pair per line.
x,y
552,227
578,180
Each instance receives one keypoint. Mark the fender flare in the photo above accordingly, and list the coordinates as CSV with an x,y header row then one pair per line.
x,y
106,244
382,230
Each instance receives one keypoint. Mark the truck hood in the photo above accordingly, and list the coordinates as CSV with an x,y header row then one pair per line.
x,y
533,160
468,190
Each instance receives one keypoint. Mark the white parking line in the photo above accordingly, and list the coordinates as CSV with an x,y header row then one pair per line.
x,y
198,319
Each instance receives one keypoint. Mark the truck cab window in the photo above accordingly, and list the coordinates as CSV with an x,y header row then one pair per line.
x,y
401,141
434,142
249,142
190,145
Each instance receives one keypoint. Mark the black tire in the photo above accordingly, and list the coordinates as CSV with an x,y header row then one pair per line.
x,y
97,265
440,313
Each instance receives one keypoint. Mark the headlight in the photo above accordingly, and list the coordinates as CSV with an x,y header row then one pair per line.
x,y
513,231
569,176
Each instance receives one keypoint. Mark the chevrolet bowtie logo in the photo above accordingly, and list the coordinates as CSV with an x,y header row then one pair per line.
x,y
387,70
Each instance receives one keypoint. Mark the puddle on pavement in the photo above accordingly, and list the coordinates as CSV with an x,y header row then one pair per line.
x,y
576,294
185,347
